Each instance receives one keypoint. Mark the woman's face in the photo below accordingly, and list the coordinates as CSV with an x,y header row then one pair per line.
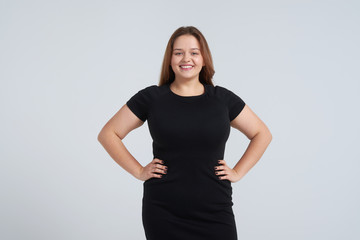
x,y
186,59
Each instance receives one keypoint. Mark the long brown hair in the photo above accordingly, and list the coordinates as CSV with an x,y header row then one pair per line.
x,y
207,71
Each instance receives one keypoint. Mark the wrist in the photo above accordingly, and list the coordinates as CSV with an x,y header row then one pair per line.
x,y
138,172
238,175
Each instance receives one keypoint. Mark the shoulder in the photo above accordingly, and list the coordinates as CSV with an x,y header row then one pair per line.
x,y
234,103
141,101
149,93
227,96
152,89
222,92
148,89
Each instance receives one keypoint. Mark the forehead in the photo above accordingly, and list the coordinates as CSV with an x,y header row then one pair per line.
x,y
186,42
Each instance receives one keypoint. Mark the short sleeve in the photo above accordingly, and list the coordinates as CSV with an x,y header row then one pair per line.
x,y
139,103
234,103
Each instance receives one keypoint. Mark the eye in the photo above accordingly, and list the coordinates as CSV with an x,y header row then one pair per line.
x,y
178,53
195,53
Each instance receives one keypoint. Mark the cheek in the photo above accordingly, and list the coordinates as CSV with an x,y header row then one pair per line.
x,y
173,61
199,61
173,64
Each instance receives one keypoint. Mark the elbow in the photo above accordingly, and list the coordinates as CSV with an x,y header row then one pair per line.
x,y
268,135
100,137
106,134
264,134
103,134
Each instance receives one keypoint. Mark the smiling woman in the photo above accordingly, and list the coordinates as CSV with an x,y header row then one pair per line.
x,y
186,61
183,40
187,184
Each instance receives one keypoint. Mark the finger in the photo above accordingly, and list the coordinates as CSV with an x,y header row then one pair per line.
x,y
223,177
156,175
220,173
222,161
159,170
219,167
156,160
161,166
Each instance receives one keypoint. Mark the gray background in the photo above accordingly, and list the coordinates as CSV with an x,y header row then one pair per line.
x,y
68,66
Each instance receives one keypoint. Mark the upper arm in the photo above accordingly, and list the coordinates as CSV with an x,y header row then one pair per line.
x,y
133,114
248,123
123,122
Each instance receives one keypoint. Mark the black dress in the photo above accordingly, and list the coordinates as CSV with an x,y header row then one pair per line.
x,y
189,134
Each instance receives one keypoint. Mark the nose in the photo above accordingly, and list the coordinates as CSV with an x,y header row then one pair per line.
x,y
186,57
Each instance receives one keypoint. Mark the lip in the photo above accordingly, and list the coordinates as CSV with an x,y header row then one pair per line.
x,y
186,69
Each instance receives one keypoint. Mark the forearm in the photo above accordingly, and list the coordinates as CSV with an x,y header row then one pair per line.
x,y
253,153
119,153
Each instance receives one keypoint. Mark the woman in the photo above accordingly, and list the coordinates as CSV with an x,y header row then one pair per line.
x,y
187,185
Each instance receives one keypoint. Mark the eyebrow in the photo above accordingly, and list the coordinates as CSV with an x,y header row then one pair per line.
x,y
190,48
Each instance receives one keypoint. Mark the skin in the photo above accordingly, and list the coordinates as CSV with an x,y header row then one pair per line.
x,y
186,51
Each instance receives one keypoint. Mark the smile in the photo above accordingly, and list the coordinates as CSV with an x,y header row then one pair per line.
x,y
186,67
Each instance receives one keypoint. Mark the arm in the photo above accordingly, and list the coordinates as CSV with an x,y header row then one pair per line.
x,y
260,137
111,136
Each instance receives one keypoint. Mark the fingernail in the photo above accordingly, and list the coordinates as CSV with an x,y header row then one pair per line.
x,y
219,161
165,167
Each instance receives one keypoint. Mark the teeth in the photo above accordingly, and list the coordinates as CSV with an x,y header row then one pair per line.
x,y
186,66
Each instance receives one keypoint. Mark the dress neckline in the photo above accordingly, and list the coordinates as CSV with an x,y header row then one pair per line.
x,y
188,98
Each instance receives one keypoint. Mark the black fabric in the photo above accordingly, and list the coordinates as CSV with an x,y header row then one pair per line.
x,y
189,134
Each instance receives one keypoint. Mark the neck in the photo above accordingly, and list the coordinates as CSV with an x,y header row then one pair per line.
x,y
187,88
